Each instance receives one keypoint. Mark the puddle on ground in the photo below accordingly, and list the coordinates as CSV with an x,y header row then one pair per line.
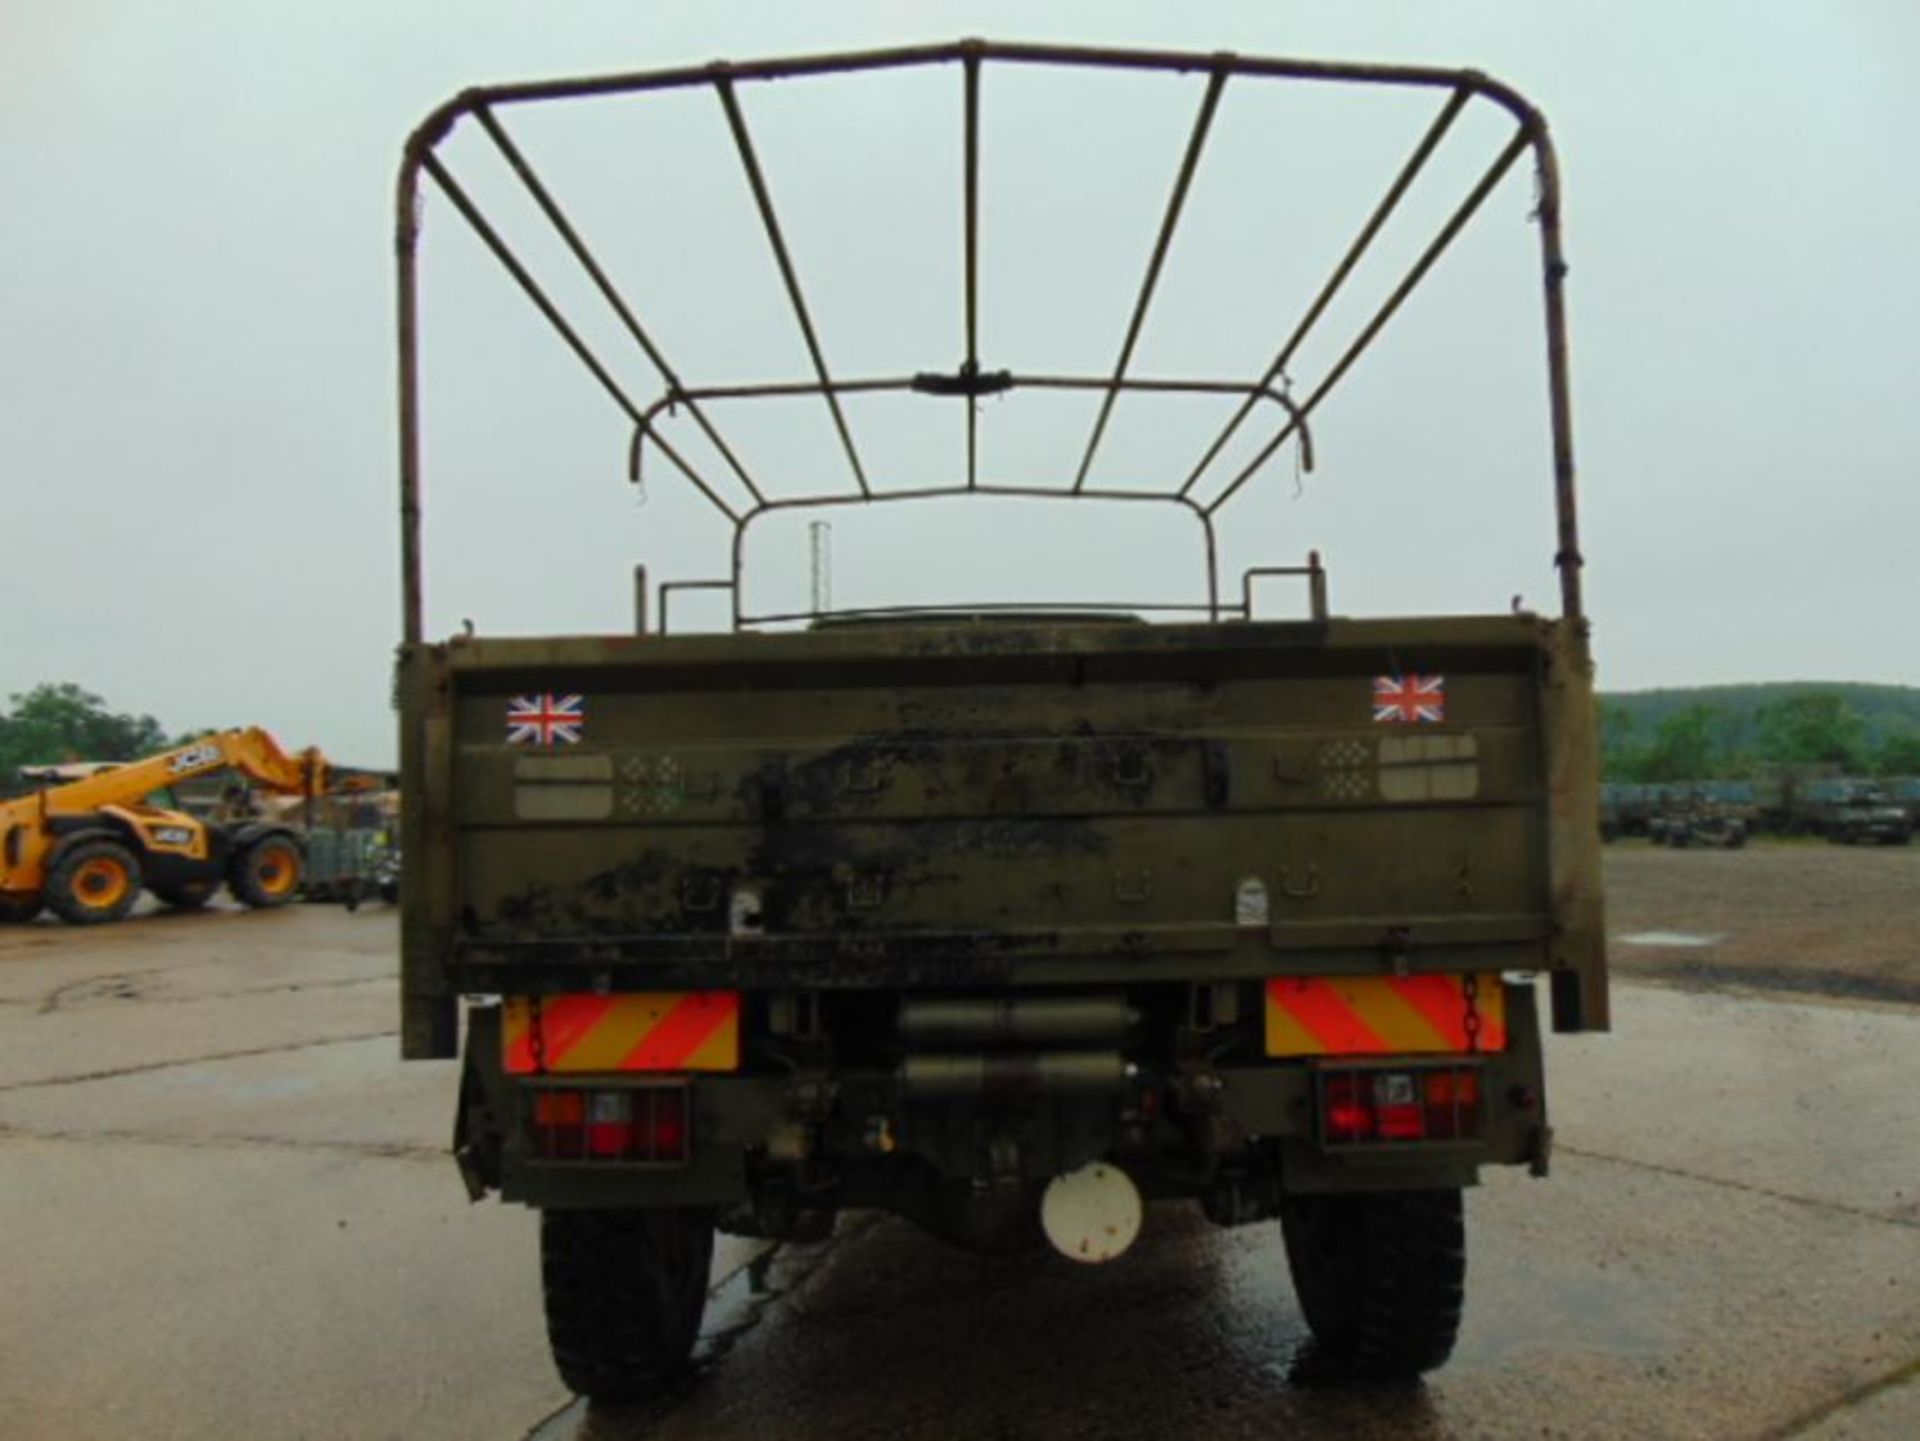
x,y
1683,940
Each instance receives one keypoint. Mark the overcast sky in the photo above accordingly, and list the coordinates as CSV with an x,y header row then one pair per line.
x,y
196,374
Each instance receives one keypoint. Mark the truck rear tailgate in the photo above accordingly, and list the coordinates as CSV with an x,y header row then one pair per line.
x,y
1005,803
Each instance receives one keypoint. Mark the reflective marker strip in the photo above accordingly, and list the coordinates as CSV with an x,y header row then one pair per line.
x,y
1381,1015
650,1031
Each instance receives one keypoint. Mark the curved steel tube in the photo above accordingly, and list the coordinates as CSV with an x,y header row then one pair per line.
x,y
1460,85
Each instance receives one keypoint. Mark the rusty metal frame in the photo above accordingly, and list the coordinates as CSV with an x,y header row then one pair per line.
x,y
968,382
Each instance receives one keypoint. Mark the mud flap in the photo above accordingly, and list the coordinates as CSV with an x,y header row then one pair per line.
x,y
478,1129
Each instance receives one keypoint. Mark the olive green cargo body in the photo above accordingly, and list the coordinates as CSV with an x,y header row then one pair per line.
x,y
842,823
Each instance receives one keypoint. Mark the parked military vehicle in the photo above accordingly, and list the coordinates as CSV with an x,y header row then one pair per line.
x,y
1003,916
1690,817
1865,814
1699,826
1627,808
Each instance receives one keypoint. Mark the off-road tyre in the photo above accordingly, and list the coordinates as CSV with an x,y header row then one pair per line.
x,y
267,873
94,882
188,897
1381,1278
625,1291
19,912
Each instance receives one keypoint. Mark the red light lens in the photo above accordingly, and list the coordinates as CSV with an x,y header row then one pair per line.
x,y
559,1124
1397,1112
1401,1123
1446,1087
1453,1104
609,1139
1346,1112
560,1108
667,1123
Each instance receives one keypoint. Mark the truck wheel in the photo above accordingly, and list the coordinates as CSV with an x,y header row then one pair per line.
x,y
267,873
95,881
188,897
1381,1278
625,1291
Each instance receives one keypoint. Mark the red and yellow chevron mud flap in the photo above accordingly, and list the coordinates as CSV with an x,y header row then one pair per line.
x,y
644,1031
1385,1015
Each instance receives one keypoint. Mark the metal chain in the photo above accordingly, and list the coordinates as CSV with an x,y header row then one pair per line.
x,y
537,1035
1470,993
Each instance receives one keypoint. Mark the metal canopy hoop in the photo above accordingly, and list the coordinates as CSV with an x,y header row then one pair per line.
x,y
969,383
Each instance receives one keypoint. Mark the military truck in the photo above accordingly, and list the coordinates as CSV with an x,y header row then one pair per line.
x,y
1866,814
1006,917
1690,816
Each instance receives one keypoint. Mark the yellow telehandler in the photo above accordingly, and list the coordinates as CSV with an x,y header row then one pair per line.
x,y
86,848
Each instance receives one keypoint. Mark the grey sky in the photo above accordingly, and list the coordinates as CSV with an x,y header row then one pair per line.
x,y
196,417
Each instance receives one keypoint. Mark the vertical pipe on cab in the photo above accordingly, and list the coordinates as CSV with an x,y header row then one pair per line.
x,y
406,239
1553,267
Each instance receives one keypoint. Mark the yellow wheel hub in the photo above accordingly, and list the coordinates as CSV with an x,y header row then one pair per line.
x,y
102,882
277,871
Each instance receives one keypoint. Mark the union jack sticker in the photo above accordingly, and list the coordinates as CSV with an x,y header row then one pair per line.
x,y
545,720
1410,699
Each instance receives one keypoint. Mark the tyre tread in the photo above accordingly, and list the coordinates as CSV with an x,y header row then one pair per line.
x,y
66,903
624,1293
1387,1306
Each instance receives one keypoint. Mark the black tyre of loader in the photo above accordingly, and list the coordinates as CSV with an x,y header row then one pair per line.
x,y
94,882
625,1291
1381,1278
268,872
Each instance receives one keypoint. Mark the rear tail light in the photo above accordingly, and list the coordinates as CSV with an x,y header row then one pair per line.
x,y
1452,1104
1361,1106
1347,1114
609,1123
1398,1114
647,1124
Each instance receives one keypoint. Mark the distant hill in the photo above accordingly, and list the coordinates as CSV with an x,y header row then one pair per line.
x,y
1882,707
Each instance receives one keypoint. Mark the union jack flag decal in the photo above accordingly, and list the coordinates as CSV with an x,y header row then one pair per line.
x,y
1410,699
545,720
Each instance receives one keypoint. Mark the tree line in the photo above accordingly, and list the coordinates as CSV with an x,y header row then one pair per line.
x,y
1704,741
61,721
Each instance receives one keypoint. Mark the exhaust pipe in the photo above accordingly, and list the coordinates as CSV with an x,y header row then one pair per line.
x,y
1056,1020
1013,1074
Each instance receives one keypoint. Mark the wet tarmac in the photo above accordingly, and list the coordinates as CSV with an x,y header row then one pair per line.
x,y
229,1214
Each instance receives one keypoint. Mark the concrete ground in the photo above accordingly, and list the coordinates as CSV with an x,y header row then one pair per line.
x,y
228,1212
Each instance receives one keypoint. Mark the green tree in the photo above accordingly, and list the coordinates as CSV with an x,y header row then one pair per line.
x,y
61,721
1683,747
1811,728
1618,758
1899,751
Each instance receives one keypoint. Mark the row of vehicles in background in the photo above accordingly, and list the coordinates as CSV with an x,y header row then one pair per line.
x,y
229,810
1845,809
